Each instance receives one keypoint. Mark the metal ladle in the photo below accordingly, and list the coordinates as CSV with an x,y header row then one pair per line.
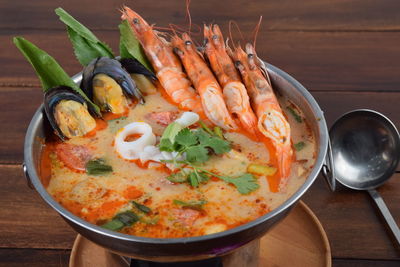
x,y
366,151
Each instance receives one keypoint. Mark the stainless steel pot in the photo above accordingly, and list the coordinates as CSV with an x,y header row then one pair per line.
x,y
191,248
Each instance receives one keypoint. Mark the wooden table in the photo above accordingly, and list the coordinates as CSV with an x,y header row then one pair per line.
x,y
347,53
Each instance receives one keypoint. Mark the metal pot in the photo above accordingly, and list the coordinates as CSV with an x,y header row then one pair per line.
x,y
191,248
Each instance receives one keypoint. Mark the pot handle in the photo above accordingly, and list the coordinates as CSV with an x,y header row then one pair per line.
x,y
328,170
28,179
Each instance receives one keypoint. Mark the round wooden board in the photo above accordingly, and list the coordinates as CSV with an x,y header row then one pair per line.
x,y
299,240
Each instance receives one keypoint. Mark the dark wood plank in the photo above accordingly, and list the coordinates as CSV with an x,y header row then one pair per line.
x,y
34,257
23,101
335,104
18,104
336,61
322,61
278,15
25,220
352,223
60,258
56,43
364,263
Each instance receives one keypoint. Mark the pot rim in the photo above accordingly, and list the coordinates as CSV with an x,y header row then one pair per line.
x,y
323,146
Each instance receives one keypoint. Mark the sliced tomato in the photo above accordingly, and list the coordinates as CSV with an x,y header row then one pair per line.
x,y
74,157
131,192
186,216
163,118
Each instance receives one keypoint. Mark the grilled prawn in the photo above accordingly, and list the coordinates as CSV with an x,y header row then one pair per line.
x,y
234,92
271,121
165,63
204,82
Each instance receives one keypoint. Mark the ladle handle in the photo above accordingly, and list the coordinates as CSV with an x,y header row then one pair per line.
x,y
328,170
386,213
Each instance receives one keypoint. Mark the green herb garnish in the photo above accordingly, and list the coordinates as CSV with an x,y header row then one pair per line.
x,y
205,128
299,146
141,207
196,153
127,217
245,183
194,178
121,220
178,177
191,204
129,46
219,145
48,70
295,115
97,167
86,45
197,177
113,225
168,137
218,132
198,145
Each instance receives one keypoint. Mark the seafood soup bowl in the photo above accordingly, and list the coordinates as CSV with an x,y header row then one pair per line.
x,y
189,248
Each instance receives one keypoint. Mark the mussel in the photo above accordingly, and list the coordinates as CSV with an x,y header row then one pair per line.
x,y
143,77
109,85
68,112
133,66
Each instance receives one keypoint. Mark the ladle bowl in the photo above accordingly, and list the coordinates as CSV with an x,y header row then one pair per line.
x,y
366,152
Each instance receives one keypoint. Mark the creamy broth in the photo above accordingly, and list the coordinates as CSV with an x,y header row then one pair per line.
x,y
98,198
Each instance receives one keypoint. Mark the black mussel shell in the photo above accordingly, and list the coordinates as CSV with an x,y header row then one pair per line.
x,y
132,66
53,96
113,69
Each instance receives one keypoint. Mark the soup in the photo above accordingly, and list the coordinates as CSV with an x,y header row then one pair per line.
x,y
164,208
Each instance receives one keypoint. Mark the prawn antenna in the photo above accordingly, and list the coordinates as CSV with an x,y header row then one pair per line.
x,y
255,31
234,23
188,16
174,29
159,28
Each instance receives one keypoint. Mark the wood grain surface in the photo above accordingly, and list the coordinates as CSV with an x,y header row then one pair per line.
x,y
283,15
321,61
346,53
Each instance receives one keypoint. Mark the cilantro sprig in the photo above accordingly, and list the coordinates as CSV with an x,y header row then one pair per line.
x,y
196,144
216,132
245,183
